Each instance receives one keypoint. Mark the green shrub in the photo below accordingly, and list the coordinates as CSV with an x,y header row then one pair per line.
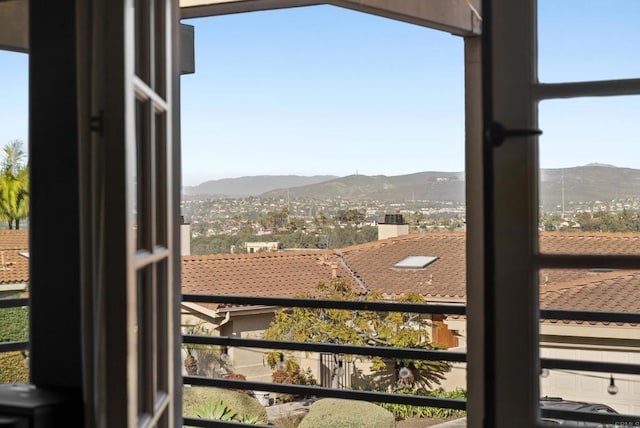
x,y
404,411
14,324
242,405
291,375
13,368
14,327
217,410
338,413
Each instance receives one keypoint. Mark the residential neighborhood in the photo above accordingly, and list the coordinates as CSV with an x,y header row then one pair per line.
x,y
381,267
373,267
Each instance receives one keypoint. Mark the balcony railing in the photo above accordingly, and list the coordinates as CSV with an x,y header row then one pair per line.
x,y
375,351
390,352
319,391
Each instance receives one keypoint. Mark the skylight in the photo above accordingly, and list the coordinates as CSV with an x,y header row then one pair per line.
x,y
416,262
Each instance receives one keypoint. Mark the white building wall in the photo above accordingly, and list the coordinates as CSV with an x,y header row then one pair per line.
x,y
592,386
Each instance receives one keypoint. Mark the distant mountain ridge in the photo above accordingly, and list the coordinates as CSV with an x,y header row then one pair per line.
x,y
593,182
252,185
436,186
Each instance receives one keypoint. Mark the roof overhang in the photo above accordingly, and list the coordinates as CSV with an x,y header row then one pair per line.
x,y
459,17
14,25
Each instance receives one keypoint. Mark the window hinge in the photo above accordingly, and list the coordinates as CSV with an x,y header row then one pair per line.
x,y
496,133
96,123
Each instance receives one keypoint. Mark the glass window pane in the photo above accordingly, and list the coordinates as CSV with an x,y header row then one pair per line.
x,y
588,40
161,177
162,312
590,174
593,291
160,46
142,175
142,40
145,336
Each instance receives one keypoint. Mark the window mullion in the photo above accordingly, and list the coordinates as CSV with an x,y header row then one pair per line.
x,y
512,289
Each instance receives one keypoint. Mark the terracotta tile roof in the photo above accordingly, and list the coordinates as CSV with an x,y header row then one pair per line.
x,y
581,289
445,278
589,243
617,291
279,274
372,264
14,268
14,239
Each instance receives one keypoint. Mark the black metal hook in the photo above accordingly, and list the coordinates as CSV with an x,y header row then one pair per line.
x,y
496,133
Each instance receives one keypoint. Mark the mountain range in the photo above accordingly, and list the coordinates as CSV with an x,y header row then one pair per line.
x,y
591,182
252,185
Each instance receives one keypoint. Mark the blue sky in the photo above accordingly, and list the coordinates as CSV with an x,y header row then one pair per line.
x,y
324,90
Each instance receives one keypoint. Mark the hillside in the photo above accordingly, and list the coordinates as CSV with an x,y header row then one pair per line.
x,y
435,186
252,185
592,182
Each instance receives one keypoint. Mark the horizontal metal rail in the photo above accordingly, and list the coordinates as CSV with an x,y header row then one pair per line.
x,y
14,303
356,305
567,315
615,419
586,261
549,314
589,366
319,391
373,351
197,422
14,346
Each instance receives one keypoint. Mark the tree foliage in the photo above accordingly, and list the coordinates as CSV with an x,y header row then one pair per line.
x,y
396,329
286,370
337,237
600,221
14,185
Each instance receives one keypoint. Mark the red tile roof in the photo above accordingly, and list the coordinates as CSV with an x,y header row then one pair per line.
x,y
292,273
445,278
286,274
589,243
14,268
279,274
616,291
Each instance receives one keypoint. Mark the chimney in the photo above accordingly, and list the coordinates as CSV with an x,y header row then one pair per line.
x,y
393,225
185,237
334,271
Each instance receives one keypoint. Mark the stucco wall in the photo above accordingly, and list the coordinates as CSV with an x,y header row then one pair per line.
x,y
592,386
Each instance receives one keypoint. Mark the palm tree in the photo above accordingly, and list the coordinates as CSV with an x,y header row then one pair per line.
x,y
14,185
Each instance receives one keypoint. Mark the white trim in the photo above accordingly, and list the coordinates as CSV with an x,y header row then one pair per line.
x,y
14,286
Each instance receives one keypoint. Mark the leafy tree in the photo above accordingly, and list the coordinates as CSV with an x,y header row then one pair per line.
x,y
397,329
287,371
14,185
350,216
320,220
